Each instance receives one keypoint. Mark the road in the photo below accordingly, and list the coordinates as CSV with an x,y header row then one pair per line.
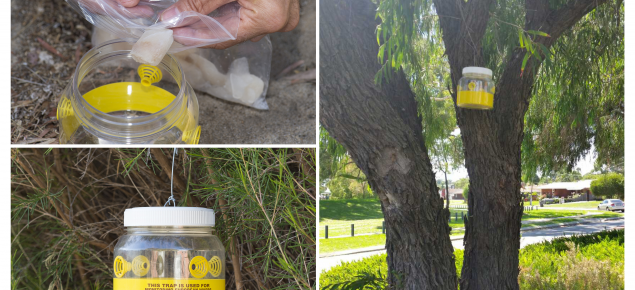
x,y
527,238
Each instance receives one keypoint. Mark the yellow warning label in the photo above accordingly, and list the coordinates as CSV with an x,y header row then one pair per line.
x,y
168,284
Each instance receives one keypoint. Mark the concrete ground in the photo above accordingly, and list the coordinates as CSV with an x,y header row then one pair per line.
x,y
527,238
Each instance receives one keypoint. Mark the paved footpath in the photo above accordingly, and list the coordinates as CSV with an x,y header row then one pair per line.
x,y
527,238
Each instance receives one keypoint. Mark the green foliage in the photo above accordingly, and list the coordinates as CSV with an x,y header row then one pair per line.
x,y
610,185
581,262
332,155
462,182
349,182
591,176
578,101
351,271
338,172
466,191
562,175
590,259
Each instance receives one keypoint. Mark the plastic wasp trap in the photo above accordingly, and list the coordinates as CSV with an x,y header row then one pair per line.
x,y
476,89
114,99
169,248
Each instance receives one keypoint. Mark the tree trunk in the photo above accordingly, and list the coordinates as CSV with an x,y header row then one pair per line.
x,y
492,139
447,190
380,128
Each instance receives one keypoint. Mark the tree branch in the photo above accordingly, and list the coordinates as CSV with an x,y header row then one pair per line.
x,y
463,25
564,18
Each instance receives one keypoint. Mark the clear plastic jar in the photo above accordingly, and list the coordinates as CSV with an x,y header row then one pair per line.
x,y
169,248
106,102
476,89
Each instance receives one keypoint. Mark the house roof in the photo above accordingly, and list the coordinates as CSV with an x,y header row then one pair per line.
x,y
578,185
530,189
456,191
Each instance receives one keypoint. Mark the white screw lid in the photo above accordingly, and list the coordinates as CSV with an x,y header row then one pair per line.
x,y
477,70
169,216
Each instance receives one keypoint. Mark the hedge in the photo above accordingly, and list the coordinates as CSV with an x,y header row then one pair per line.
x,y
594,261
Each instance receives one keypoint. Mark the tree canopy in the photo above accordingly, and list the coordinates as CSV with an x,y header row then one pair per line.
x,y
578,100
610,185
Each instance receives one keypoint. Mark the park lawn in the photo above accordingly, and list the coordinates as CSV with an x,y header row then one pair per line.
x,y
604,215
551,213
585,204
349,243
367,216
358,242
368,226
343,244
350,209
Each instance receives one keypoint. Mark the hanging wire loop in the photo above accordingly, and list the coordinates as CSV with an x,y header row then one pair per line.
x,y
171,199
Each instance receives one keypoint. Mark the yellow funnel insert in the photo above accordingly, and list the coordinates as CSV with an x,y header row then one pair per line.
x,y
131,96
199,266
149,74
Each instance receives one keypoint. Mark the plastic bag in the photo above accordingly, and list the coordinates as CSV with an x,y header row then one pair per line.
x,y
237,74
191,29
245,68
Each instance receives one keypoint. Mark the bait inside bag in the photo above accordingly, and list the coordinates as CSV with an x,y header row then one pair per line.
x,y
191,29
237,74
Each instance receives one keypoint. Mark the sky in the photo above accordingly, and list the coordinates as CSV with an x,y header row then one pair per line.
x,y
585,166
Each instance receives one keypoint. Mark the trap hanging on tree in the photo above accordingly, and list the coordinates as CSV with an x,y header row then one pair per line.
x,y
476,89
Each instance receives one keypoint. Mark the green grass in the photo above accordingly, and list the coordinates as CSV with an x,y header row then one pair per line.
x,y
551,213
350,210
586,205
358,242
367,216
342,227
604,215
341,244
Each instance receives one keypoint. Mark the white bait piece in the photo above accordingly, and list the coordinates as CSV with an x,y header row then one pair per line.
x,y
242,85
152,46
245,87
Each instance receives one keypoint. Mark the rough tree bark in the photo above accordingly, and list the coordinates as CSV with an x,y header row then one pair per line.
x,y
492,139
381,130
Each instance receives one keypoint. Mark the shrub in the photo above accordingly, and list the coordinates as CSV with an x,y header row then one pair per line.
x,y
608,186
572,269
594,261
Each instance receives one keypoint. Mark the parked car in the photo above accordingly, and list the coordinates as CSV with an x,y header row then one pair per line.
x,y
550,200
611,205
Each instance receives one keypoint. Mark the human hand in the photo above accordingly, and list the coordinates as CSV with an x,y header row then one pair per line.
x,y
257,18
